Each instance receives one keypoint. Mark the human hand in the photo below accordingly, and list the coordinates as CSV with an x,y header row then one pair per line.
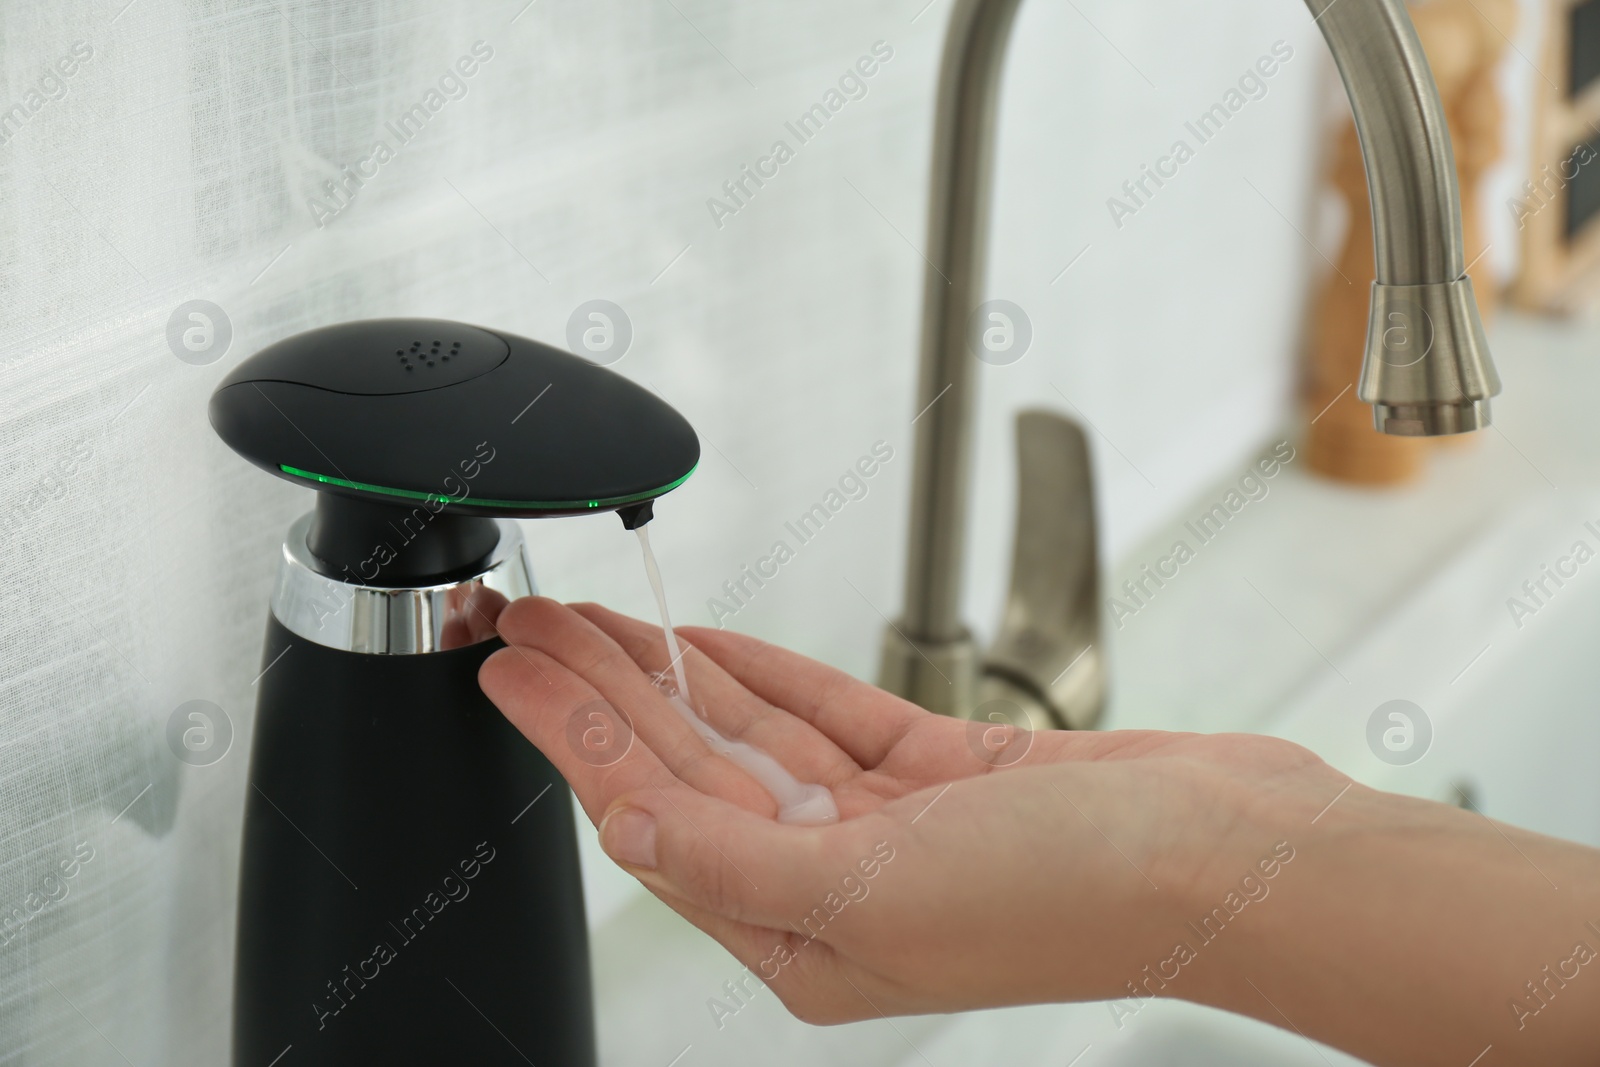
x,y
950,882
469,615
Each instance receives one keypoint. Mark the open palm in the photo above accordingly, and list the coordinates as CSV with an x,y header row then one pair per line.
x,y
940,822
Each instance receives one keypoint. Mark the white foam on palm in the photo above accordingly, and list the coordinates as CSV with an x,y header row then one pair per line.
x,y
798,802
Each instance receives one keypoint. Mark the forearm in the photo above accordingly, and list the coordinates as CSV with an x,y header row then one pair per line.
x,y
1413,933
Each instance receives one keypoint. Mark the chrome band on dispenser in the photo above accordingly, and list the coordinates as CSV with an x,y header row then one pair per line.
x,y
388,621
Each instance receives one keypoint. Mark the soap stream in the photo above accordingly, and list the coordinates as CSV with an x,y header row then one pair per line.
x,y
674,652
798,802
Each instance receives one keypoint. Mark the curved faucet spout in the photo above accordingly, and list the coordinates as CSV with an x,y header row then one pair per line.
x,y
1427,367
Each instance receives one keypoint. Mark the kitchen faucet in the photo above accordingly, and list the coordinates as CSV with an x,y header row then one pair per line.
x,y
1427,370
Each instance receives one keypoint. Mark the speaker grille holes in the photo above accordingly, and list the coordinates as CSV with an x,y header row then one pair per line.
x,y
423,358
426,356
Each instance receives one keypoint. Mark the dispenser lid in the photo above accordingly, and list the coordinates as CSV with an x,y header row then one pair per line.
x,y
467,420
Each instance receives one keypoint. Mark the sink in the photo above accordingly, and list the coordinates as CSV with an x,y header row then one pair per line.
x,y
1512,723
1510,700
1513,728
1327,604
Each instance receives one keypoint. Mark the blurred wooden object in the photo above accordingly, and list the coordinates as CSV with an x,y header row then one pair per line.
x,y
1464,40
1558,206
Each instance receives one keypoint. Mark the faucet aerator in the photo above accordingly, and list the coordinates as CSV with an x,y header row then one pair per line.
x,y
1428,370
1430,420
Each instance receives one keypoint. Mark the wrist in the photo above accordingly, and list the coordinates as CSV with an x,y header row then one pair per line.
x,y
1404,931
1326,878
1228,851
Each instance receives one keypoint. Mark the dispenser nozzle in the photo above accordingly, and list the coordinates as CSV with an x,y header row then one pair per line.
x,y
636,515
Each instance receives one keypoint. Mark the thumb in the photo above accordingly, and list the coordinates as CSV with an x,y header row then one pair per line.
x,y
726,860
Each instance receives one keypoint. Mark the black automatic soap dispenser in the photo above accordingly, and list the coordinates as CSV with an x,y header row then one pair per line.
x,y
409,886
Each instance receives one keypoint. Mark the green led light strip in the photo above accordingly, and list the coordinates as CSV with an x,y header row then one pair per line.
x,y
521,505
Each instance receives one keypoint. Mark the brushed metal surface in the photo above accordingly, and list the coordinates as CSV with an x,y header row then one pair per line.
x,y
929,656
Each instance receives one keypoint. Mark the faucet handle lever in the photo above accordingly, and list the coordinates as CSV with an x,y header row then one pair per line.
x,y
1049,639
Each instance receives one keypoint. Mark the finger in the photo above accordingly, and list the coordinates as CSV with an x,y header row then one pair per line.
x,y
861,719
579,645
735,711
473,618
552,707
728,861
